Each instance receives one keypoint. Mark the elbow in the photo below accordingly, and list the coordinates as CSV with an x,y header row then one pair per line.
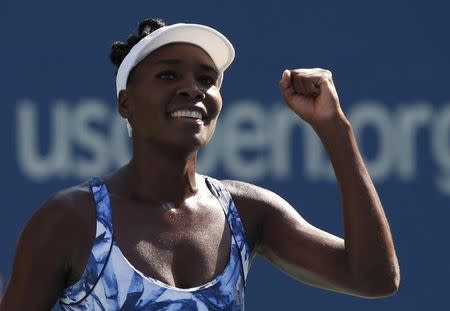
x,y
380,285
387,288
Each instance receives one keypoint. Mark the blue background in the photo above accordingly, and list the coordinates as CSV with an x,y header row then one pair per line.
x,y
394,53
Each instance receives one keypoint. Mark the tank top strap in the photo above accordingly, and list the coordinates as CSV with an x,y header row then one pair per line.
x,y
102,206
224,197
100,250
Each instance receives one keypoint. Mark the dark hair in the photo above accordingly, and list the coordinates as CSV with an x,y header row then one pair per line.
x,y
120,49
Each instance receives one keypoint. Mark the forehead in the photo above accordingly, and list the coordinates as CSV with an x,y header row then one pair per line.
x,y
182,53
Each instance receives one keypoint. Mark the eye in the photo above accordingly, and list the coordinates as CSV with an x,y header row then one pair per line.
x,y
167,75
207,80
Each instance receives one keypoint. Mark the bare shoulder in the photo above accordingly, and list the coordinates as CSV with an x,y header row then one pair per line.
x,y
63,223
60,228
70,205
245,190
255,205
260,199
53,245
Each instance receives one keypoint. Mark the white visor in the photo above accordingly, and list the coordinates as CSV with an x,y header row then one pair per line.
x,y
210,40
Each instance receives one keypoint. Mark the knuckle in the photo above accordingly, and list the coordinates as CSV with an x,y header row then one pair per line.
x,y
327,75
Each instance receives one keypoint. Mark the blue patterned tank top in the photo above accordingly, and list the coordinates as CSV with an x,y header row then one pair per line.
x,y
109,282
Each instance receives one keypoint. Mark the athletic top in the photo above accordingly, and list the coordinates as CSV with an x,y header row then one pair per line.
x,y
109,282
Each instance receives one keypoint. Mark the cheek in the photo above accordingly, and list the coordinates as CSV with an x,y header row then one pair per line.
x,y
215,104
210,131
147,114
148,103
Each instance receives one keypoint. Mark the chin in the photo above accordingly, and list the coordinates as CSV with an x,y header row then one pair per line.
x,y
191,144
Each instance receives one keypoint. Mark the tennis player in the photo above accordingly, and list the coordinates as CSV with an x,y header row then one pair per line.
x,y
157,235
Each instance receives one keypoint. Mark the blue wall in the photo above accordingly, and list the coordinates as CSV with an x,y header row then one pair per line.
x,y
390,62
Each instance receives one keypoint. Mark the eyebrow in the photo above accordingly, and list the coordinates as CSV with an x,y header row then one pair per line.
x,y
178,62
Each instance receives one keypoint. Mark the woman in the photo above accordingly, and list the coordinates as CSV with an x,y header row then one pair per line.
x,y
155,235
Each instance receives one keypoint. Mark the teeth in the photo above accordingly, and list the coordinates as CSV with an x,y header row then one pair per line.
x,y
186,114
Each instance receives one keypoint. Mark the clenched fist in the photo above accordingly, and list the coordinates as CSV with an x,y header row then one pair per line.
x,y
311,94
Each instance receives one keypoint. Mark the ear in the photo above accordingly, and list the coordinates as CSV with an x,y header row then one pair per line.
x,y
124,104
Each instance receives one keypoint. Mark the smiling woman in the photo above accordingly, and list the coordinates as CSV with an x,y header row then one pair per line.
x,y
180,71
156,235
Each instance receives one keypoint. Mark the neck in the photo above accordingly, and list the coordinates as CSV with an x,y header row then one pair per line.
x,y
161,175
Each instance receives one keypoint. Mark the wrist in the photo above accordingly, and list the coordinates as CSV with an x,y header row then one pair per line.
x,y
332,125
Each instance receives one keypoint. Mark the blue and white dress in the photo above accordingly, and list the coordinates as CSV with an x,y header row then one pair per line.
x,y
110,282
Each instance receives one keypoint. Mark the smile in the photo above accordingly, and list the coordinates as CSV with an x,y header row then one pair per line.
x,y
186,114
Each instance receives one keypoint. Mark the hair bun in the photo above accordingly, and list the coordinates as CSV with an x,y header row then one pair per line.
x,y
118,52
120,49
147,26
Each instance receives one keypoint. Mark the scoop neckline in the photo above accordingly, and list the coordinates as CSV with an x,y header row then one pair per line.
x,y
159,282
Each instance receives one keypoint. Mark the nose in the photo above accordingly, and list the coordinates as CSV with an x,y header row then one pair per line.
x,y
190,88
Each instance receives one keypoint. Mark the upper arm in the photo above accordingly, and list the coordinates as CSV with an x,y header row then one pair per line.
x,y
39,264
286,239
43,257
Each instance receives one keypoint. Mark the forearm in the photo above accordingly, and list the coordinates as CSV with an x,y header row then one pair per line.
x,y
370,254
